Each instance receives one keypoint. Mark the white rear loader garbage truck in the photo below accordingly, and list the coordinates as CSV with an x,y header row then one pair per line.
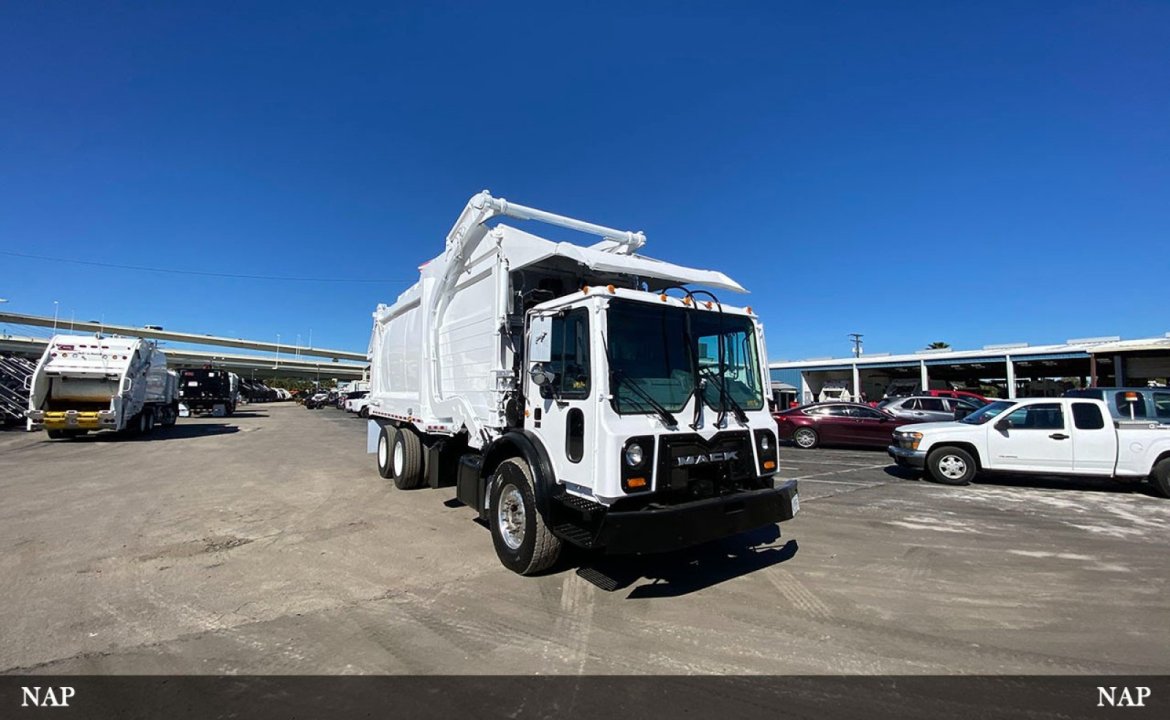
x,y
93,382
575,394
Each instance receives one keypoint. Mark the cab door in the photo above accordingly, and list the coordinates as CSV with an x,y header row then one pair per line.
x,y
563,411
1035,438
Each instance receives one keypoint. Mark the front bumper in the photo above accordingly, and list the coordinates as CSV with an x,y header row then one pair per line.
x,y
907,458
654,530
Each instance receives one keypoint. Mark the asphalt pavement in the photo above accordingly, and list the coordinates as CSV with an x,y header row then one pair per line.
x,y
266,543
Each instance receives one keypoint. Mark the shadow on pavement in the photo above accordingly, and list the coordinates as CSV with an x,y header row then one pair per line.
x,y
687,571
179,431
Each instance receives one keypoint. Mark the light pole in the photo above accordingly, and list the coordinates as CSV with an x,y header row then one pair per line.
x,y
310,338
298,347
56,307
277,349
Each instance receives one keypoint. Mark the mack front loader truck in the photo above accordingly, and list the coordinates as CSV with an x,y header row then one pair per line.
x,y
575,394
87,383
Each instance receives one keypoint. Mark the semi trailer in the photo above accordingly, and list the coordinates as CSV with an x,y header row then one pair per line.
x,y
202,389
87,383
575,394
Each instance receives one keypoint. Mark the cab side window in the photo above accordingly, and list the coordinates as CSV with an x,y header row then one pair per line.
x,y
1042,416
1087,416
570,356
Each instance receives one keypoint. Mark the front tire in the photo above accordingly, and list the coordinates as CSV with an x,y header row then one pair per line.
x,y
406,459
1160,478
524,544
806,438
951,466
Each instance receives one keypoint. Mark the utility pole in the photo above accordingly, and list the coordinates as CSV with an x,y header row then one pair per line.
x,y
56,306
856,337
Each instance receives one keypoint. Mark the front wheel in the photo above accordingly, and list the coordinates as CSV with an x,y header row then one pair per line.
x,y
951,466
523,542
1160,478
806,438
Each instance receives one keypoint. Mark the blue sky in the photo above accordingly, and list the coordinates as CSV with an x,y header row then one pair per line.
x,y
967,172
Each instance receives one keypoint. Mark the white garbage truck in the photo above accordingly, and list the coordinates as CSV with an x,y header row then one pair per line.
x,y
575,394
94,382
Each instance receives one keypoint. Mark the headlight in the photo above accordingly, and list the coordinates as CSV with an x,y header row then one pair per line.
x,y
910,440
634,455
765,443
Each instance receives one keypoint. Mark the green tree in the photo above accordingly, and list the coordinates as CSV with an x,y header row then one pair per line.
x,y
938,345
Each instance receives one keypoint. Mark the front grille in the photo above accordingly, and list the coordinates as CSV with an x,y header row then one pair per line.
x,y
690,467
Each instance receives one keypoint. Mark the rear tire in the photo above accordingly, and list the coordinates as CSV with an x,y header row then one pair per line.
x,y
951,466
406,459
524,544
56,434
385,446
806,438
1160,478
364,413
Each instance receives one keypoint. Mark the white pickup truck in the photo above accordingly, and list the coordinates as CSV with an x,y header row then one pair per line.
x,y
1041,436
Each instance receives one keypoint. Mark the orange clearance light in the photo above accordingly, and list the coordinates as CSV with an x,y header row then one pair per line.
x,y
768,464
636,482
687,300
749,309
611,289
708,304
585,289
1131,397
527,413
662,297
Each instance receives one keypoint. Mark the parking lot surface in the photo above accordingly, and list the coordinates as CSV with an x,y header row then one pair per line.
x,y
267,543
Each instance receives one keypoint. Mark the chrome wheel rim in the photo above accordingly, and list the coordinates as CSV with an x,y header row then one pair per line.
x,y
805,438
382,451
952,467
510,516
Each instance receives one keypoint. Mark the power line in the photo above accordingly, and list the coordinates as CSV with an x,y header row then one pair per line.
x,y
199,272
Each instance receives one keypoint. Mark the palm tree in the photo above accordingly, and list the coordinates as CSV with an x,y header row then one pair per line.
x,y
938,345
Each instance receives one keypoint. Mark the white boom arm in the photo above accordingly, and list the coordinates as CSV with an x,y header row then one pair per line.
x,y
463,240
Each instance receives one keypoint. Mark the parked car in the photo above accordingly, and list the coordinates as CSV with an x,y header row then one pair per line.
x,y
317,400
927,408
354,401
1136,403
972,396
836,424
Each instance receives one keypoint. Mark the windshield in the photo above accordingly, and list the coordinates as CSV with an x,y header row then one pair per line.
x,y
988,412
661,349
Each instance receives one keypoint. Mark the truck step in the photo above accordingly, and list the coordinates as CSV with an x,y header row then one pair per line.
x,y
574,534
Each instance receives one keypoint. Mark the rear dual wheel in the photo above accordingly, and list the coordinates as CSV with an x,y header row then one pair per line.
x,y
400,456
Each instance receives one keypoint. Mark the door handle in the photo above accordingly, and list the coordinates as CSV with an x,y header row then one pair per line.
x,y
1058,436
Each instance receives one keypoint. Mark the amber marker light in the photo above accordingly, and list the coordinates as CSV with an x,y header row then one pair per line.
x,y
611,289
636,482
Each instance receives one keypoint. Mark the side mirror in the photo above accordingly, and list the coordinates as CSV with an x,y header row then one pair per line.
x,y
1002,425
885,418
541,375
540,339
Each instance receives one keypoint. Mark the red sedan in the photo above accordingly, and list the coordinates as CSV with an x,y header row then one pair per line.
x,y
837,424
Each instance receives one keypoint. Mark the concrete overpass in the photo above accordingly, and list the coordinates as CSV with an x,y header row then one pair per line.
x,y
267,367
181,337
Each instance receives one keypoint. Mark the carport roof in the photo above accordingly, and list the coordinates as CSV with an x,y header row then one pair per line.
x,y
947,357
